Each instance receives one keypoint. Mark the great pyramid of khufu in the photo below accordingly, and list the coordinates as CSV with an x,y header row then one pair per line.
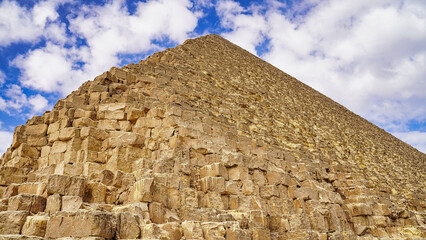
x,y
206,141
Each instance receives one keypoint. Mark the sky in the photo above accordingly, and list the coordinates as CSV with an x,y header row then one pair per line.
x,y
369,56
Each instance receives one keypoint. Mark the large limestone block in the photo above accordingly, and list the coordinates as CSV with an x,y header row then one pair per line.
x,y
27,202
58,184
11,222
19,136
35,225
213,184
192,230
39,129
128,226
213,230
142,190
71,203
96,224
95,192
238,173
9,175
59,226
68,133
173,229
157,212
214,170
36,188
53,203
360,209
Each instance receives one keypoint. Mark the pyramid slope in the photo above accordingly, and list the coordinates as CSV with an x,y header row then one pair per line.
x,y
206,141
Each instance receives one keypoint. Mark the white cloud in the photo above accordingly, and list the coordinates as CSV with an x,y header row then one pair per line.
x,y
15,101
109,30
5,140
415,138
247,28
20,24
2,78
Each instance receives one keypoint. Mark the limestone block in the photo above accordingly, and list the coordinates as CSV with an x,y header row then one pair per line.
x,y
59,147
112,106
237,234
69,169
128,226
83,122
71,203
92,168
77,186
214,170
53,127
38,130
58,184
214,184
68,133
11,190
115,115
96,133
213,230
27,202
25,150
380,209
192,230
213,200
36,141
258,219
122,139
248,187
97,224
35,226
238,173
157,212
261,234
269,191
125,126
80,113
274,178
91,144
173,230
19,136
233,188
36,188
95,192
173,198
306,193
53,203
108,124
142,190
11,222
135,114
189,198
360,209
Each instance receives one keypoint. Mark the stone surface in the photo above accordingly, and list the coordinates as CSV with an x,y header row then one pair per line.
x,y
206,141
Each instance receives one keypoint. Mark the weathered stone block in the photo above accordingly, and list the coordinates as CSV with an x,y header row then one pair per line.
x,y
214,184
95,192
68,133
58,184
157,212
71,203
98,224
27,202
238,173
142,190
192,230
35,226
128,226
360,209
38,130
213,230
53,203
36,188
11,222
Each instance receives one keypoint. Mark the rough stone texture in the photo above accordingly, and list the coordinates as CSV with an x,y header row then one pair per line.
x,y
206,141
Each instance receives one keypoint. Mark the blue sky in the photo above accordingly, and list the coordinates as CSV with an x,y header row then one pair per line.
x,y
369,56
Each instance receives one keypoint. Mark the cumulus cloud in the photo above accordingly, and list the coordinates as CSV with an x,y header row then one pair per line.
x,y
247,26
14,101
19,24
109,31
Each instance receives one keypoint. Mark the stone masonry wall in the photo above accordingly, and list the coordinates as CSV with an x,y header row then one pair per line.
x,y
190,145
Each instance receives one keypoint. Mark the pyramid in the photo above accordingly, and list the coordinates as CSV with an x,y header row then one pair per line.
x,y
207,141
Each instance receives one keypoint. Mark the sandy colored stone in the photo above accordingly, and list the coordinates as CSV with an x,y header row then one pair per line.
x,y
35,226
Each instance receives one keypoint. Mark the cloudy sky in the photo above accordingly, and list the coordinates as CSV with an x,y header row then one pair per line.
x,y
369,56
